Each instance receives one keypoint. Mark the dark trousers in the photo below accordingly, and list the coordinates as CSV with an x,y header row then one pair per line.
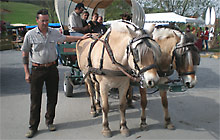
x,y
206,44
39,76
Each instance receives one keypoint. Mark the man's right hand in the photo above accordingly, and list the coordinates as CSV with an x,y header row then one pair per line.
x,y
88,35
27,78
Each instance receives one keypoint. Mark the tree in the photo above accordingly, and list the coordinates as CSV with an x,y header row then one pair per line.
x,y
117,8
182,7
49,5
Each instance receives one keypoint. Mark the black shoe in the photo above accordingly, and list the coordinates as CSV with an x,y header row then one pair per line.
x,y
30,133
51,127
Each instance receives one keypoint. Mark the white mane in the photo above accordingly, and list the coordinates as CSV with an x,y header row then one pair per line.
x,y
162,33
120,26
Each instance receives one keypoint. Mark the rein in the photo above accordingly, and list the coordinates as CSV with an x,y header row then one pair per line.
x,y
123,70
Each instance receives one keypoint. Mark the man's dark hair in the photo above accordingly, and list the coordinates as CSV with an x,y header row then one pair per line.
x,y
42,12
85,12
80,5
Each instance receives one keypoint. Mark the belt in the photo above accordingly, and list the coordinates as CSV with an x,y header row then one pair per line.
x,y
44,65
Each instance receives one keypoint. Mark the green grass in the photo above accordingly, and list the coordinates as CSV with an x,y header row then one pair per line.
x,y
214,50
19,12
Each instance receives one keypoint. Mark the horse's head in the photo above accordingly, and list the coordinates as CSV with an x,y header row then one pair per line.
x,y
145,52
178,50
186,59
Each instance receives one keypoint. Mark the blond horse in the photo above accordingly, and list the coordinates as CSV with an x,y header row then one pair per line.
x,y
123,53
178,53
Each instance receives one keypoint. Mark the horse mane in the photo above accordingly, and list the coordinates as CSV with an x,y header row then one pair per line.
x,y
162,32
121,26
169,27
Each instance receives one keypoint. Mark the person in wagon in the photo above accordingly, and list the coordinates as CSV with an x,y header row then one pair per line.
x,y
75,24
94,24
102,27
85,17
40,44
126,16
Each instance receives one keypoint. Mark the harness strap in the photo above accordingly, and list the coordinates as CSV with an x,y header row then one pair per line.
x,y
90,51
147,68
128,72
135,59
141,37
165,73
101,60
187,73
120,67
106,72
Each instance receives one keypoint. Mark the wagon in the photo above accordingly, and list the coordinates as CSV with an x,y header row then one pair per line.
x,y
67,56
67,53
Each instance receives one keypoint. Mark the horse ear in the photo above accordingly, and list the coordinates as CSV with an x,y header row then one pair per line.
x,y
176,36
132,33
150,29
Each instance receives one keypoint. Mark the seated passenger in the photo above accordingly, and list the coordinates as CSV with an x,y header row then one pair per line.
x,y
102,27
85,17
126,16
75,22
94,25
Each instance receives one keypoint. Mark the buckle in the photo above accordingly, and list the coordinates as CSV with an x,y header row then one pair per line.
x,y
44,65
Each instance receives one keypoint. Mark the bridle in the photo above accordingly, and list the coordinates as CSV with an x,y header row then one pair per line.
x,y
135,55
178,57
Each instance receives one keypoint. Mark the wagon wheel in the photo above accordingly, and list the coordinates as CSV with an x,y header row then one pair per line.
x,y
67,86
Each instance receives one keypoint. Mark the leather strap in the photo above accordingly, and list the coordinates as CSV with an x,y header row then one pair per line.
x,y
44,65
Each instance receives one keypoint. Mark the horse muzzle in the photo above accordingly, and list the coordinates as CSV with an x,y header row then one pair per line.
x,y
189,81
150,79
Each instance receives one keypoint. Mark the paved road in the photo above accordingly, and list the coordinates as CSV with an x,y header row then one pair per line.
x,y
195,112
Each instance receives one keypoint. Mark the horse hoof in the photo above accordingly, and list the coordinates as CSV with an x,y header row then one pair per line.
x,y
170,126
125,132
99,111
143,126
94,114
131,106
107,133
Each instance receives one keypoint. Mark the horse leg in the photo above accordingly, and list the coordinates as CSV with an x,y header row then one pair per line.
x,y
168,124
143,93
106,131
91,92
97,101
123,126
129,97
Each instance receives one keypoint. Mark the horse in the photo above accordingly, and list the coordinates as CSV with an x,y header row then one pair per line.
x,y
125,52
178,53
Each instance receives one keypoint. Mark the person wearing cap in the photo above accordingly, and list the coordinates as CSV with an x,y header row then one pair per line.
x,y
75,24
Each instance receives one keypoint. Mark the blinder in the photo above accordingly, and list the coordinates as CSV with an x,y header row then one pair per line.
x,y
186,48
134,51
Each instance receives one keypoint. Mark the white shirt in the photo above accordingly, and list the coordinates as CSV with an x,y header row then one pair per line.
x,y
42,48
74,20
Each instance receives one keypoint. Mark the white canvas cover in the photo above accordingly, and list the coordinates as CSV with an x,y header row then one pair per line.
x,y
170,17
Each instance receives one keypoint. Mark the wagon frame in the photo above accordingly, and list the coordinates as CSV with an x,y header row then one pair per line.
x,y
67,52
